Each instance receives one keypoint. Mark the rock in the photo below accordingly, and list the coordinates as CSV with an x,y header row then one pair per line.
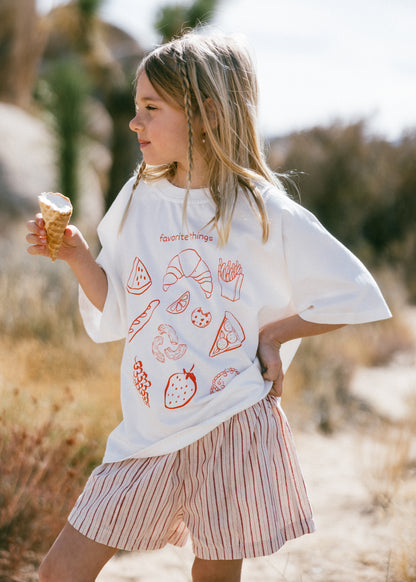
x,y
27,164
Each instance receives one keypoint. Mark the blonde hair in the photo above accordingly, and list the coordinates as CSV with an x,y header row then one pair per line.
x,y
189,71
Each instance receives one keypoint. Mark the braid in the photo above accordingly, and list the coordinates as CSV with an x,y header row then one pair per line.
x,y
140,173
187,100
186,86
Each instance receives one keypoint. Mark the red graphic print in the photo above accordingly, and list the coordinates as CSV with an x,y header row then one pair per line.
x,y
229,337
141,381
180,304
230,277
166,344
199,318
222,378
180,389
188,263
139,279
142,319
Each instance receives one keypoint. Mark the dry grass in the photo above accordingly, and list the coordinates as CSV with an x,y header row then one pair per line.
x,y
402,567
387,454
387,462
43,461
59,400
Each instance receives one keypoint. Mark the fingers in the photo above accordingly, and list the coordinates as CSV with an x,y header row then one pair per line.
x,y
37,226
271,368
36,237
277,386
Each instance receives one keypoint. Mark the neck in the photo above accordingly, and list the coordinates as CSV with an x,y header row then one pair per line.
x,y
199,175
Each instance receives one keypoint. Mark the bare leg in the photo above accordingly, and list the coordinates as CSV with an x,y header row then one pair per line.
x,y
74,558
216,570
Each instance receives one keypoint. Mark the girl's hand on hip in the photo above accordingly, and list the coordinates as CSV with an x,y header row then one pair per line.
x,y
271,365
73,242
274,334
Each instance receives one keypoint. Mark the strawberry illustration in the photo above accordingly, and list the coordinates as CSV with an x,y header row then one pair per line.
x,y
180,389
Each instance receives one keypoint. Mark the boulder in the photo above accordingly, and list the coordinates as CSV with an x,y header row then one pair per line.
x,y
27,162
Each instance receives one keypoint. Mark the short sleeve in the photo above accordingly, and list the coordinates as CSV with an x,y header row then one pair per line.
x,y
110,324
107,325
328,283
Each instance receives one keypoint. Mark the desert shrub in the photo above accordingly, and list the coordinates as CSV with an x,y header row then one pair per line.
x,y
360,186
59,399
44,459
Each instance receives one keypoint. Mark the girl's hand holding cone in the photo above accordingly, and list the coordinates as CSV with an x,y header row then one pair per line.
x,y
72,240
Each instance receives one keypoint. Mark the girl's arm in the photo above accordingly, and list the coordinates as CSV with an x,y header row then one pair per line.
x,y
273,335
75,252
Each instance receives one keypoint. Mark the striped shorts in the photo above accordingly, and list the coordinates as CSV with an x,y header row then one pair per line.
x,y
238,492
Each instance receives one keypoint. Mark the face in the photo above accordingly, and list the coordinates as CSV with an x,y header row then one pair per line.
x,y
162,130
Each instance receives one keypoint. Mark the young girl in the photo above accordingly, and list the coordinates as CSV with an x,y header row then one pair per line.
x,y
211,274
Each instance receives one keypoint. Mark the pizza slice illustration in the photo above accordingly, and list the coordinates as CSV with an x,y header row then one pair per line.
x,y
139,279
230,336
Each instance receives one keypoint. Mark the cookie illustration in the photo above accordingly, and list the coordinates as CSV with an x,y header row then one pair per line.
x,y
199,318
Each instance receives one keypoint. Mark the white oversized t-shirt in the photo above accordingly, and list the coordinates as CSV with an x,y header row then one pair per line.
x,y
190,311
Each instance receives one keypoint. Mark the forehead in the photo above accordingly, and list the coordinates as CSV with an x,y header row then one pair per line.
x,y
145,89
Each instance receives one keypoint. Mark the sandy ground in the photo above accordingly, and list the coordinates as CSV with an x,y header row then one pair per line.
x,y
355,539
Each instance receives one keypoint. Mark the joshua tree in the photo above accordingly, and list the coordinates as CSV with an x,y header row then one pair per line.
x,y
171,20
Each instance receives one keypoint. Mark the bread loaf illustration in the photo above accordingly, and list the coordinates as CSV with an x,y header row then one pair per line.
x,y
188,263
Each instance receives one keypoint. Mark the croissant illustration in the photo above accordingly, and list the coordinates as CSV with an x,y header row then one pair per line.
x,y
188,263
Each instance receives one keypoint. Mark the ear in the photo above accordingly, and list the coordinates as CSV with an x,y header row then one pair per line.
x,y
211,112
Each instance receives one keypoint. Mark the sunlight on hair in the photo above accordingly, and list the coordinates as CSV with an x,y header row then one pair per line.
x,y
190,70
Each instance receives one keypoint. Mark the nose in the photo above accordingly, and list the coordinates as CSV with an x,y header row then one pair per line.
x,y
136,124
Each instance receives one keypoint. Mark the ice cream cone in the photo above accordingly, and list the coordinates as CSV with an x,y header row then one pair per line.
x,y
56,211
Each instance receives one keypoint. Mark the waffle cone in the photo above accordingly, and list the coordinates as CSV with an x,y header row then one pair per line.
x,y
56,220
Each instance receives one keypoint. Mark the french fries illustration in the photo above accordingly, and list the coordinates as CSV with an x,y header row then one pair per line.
x,y
230,277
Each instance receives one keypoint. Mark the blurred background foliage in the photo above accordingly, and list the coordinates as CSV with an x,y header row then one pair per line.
x,y
77,72
171,20
361,186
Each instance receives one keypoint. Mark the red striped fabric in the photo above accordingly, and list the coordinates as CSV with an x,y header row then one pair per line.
x,y
238,491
